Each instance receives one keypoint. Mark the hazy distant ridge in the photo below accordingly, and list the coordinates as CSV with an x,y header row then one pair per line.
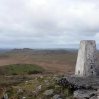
x,y
39,52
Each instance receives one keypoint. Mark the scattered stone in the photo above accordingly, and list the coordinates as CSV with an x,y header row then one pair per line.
x,y
94,97
68,98
39,87
46,81
57,86
5,96
80,94
48,92
20,91
57,79
35,92
35,78
41,77
47,84
26,81
55,75
24,98
56,96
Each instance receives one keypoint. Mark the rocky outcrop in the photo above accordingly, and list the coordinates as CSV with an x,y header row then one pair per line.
x,y
80,82
84,87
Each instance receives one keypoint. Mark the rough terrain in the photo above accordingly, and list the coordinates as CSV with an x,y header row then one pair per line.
x,y
53,61
84,87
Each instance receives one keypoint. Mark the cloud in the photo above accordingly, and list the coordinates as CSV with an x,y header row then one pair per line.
x,y
48,23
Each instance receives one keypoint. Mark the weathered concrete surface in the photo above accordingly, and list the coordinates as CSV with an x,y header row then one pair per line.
x,y
87,63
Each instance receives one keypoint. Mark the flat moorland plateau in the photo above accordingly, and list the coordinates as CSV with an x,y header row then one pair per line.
x,y
53,61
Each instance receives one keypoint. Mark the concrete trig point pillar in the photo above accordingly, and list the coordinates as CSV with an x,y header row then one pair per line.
x,y
87,63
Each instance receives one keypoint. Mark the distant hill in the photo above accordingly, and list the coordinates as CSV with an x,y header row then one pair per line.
x,y
40,52
52,60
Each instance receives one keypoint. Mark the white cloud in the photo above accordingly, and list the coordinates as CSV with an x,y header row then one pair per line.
x,y
24,23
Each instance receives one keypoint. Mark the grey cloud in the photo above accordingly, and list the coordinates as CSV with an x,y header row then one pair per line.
x,y
24,23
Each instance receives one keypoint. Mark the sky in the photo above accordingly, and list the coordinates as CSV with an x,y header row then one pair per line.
x,y
48,23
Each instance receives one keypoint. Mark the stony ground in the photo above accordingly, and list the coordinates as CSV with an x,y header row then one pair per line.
x,y
82,82
84,87
42,87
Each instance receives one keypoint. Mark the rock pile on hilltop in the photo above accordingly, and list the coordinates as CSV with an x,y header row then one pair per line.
x,y
85,87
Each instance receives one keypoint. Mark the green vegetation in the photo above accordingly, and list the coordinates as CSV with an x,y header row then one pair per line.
x,y
18,76
6,81
30,88
20,69
50,60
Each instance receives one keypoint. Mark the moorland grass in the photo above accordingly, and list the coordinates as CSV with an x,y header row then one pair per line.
x,y
30,89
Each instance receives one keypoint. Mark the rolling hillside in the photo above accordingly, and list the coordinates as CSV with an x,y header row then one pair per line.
x,y
53,61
